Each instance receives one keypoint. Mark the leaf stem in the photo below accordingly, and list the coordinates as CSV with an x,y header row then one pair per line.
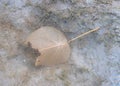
x,y
84,34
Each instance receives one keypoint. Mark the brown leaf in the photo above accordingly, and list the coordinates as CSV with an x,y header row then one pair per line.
x,y
51,44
